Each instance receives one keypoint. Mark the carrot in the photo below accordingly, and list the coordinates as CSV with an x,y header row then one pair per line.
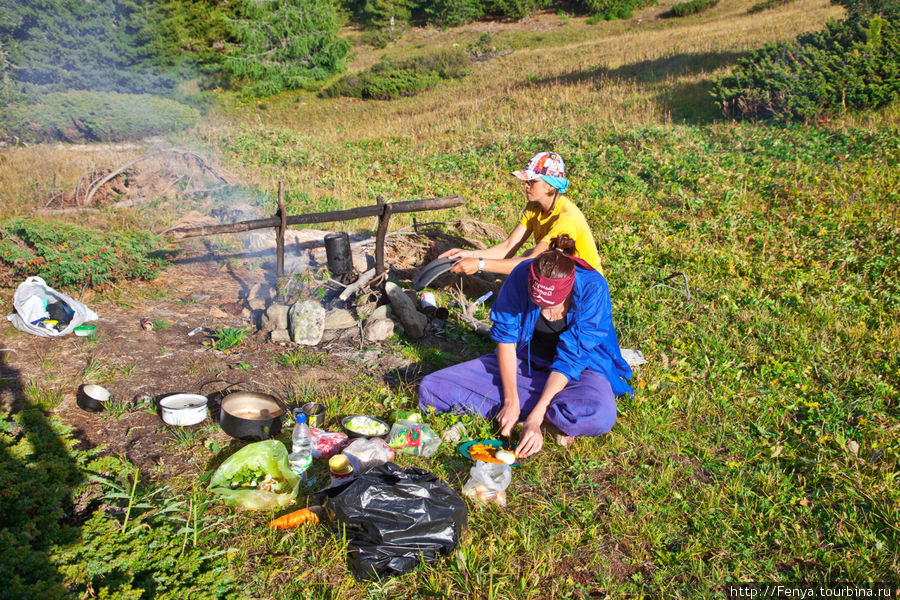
x,y
297,518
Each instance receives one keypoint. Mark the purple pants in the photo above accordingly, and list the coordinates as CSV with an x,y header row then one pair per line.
x,y
586,407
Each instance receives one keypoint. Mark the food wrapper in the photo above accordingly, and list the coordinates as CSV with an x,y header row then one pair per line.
x,y
326,443
368,453
409,437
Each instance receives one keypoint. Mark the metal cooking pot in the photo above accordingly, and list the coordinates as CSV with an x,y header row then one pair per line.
x,y
251,415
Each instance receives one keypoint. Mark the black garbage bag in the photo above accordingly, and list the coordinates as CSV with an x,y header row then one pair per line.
x,y
394,518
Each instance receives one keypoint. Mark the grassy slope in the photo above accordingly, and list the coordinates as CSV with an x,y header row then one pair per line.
x,y
761,444
762,441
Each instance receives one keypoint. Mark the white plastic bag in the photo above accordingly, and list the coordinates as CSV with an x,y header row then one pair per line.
x,y
488,482
368,453
28,302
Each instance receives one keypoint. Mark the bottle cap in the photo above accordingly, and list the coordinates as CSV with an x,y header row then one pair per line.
x,y
301,418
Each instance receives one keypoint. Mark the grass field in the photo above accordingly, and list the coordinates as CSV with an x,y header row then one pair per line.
x,y
762,440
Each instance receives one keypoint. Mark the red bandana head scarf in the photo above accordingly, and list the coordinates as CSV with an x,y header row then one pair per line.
x,y
546,292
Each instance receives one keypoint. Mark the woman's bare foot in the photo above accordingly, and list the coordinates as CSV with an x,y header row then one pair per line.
x,y
566,441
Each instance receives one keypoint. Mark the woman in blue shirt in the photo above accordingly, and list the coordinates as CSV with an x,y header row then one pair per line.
x,y
557,358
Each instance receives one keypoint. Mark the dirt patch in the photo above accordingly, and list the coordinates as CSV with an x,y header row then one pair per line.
x,y
622,566
201,290
698,473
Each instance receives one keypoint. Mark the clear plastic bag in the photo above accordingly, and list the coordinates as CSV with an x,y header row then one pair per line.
x,y
414,438
326,443
256,477
488,482
368,453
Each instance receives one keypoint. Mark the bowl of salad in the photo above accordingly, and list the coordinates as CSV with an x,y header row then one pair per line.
x,y
362,426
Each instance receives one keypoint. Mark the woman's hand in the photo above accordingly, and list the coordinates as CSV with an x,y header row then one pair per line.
x,y
532,439
455,253
508,417
465,266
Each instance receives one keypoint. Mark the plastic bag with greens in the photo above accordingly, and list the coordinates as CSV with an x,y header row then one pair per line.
x,y
256,477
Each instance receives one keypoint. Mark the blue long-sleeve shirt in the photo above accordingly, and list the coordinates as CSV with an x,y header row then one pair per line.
x,y
589,342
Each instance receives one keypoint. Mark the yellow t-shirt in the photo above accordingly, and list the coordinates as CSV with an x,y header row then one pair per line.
x,y
565,218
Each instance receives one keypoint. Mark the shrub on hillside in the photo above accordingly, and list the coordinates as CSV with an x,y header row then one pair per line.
x,y
863,9
69,255
284,45
851,65
389,79
146,46
609,10
683,9
79,44
454,12
515,9
766,4
80,116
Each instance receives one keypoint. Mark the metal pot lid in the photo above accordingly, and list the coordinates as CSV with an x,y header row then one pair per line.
x,y
432,271
252,406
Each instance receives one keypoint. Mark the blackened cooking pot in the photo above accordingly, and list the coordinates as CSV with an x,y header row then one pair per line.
x,y
251,415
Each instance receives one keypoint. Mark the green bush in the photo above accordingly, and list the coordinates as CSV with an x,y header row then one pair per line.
x,y
79,116
683,9
145,46
515,9
766,4
389,79
39,468
283,45
851,65
105,45
169,550
69,255
454,12
609,10
864,9
117,564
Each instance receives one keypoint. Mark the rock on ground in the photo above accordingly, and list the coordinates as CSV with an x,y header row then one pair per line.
x,y
339,318
307,322
276,317
378,330
413,321
280,335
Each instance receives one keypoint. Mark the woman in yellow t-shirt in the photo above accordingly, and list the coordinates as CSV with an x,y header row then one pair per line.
x,y
548,214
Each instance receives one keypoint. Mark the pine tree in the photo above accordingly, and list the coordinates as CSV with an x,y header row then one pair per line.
x,y
283,44
76,44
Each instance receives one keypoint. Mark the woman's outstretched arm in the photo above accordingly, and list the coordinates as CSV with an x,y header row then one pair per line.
x,y
509,414
532,439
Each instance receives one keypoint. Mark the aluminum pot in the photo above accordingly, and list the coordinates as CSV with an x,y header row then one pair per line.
x,y
251,415
92,398
183,409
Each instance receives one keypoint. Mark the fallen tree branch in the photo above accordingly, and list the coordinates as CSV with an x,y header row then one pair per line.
x,y
479,327
357,285
467,310
95,185
49,212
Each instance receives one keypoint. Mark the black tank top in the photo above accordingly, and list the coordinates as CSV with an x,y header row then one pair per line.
x,y
546,337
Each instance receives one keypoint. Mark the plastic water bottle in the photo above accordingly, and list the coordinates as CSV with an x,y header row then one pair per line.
x,y
300,435
301,455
